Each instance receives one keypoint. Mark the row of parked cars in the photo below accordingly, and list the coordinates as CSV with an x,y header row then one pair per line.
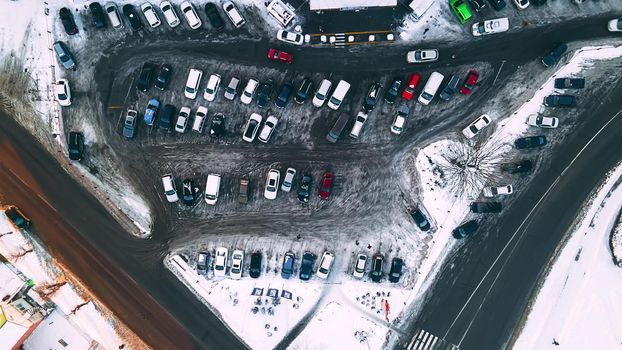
x,y
463,9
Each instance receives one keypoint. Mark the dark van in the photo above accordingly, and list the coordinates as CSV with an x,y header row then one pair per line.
x,y
335,132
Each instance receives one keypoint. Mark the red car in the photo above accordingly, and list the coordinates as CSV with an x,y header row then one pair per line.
x,y
409,90
281,56
469,83
326,185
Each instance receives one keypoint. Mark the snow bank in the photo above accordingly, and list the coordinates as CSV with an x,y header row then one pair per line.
x,y
616,241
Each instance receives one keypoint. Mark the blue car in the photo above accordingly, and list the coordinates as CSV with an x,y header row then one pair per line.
x,y
288,265
153,106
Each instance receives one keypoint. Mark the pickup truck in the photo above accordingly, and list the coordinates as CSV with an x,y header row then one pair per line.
x,y
243,196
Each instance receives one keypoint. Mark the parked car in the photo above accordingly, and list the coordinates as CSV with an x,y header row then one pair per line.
x,y
213,83
288,181
265,91
132,16
153,106
182,120
498,5
243,191
542,121
325,264
321,93
249,91
409,90
560,101
62,92
279,56
233,14
169,14
554,56
569,83
217,127
461,10
399,121
466,229
232,88
359,266
150,15
220,262
252,125
450,88
359,122
170,191
477,5
237,264
615,25
191,15
66,18
521,166
267,129
188,193
99,18
391,95
192,83
420,219
469,82
129,126
164,77
521,4
530,142
283,97
289,37
305,188
255,268
75,145
326,185
491,26
213,16
494,191
113,15
303,91
376,267
486,207
422,56
306,266
145,78
64,55
199,119
272,184
167,117
288,265
476,126
396,270
372,97
17,217
202,261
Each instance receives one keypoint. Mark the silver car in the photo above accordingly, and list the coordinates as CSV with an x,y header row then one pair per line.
x,y
288,181
64,55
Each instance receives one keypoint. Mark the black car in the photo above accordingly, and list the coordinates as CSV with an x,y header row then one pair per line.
x,y
306,267
168,113
560,101
396,270
217,127
255,268
305,89
569,83
498,5
420,219
17,217
486,207
145,77
530,142
391,95
188,192
521,166
554,56
99,17
376,267
75,144
477,5
265,90
466,229
305,186
283,98
371,99
66,17
164,77
130,12
214,16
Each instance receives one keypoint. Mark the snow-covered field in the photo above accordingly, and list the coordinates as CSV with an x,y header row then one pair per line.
x,y
578,306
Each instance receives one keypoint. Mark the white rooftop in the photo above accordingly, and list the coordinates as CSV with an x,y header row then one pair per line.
x,y
56,332
344,4
10,282
10,333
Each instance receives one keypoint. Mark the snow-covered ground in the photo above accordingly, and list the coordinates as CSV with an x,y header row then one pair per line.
x,y
578,306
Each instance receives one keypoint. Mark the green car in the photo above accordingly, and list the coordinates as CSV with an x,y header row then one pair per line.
x,y
461,10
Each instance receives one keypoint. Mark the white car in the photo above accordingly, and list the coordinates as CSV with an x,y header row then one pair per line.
x,y
199,119
272,184
322,91
359,266
422,56
491,26
268,129
182,119
237,264
521,4
169,14
249,91
152,17
62,93
169,188
543,122
191,15
212,87
252,125
325,264
288,181
615,25
220,262
113,15
497,191
400,119
232,89
289,37
359,121
233,14
476,126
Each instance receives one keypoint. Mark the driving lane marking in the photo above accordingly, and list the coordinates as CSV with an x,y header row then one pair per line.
x,y
26,185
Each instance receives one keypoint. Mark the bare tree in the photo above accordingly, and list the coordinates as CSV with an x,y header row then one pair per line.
x,y
23,251
46,290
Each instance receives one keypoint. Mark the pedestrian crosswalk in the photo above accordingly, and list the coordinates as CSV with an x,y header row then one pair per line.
x,y
424,340
340,40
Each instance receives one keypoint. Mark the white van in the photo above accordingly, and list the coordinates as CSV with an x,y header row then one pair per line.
x,y
430,88
192,84
321,93
199,119
211,189
338,95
